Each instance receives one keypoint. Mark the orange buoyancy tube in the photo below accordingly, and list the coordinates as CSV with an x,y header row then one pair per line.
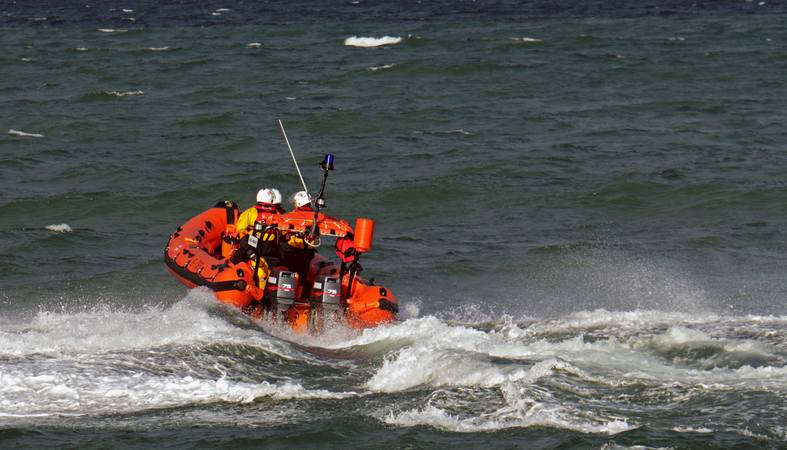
x,y
370,305
193,251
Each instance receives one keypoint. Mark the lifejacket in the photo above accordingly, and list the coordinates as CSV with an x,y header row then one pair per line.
x,y
245,223
263,208
269,241
267,245
345,249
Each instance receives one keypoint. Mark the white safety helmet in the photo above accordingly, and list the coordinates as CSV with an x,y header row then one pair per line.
x,y
276,196
269,195
300,198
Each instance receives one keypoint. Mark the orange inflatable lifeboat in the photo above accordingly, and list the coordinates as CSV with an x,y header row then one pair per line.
x,y
199,254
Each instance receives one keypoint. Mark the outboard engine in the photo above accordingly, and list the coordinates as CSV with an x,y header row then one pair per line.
x,y
325,301
280,293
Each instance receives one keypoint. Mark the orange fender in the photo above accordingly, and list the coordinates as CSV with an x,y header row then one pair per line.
x,y
370,305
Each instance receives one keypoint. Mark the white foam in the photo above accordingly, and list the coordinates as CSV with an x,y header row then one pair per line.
x,y
383,67
59,228
443,355
524,415
620,320
108,328
408,331
23,134
692,430
81,49
254,45
366,42
158,49
124,93
126,10
90,362
426,364
82,392
410,309
428,352
110,30
527,39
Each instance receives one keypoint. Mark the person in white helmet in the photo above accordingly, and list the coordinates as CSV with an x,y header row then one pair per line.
x,y
296,253
301,201
266,241
268,201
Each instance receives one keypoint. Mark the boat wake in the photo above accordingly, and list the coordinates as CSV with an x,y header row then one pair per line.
x,y
596,372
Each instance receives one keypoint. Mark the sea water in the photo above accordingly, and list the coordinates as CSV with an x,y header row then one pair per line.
x,y
580,206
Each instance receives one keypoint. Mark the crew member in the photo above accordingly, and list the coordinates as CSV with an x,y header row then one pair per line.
x,y
259,242
296,252
268,201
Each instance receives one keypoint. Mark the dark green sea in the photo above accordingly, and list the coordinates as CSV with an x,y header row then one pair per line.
x,y
581,207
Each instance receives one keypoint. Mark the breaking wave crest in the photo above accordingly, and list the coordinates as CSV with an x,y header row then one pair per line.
x,y
456,377
367,42
522,414
106,328
26,394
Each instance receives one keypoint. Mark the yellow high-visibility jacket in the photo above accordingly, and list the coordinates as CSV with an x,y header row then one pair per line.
x,y
245,222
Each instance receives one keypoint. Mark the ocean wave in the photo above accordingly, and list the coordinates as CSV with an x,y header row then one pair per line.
x,y
455,131
110,95
33,394
106,328
692,347
367,42
23,134
124,93
527,40
429,352
524,415
382,67
59,228
425,366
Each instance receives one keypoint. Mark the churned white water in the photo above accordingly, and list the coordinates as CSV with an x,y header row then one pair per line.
x,y
356,41
59,228
24,134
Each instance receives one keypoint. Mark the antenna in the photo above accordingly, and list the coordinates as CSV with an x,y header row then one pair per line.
x,y
281,125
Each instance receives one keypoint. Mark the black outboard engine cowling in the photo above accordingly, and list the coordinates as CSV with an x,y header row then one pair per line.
x,y
325,302
280,293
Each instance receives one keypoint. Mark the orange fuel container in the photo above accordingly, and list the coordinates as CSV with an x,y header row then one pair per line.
x,y
364,229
